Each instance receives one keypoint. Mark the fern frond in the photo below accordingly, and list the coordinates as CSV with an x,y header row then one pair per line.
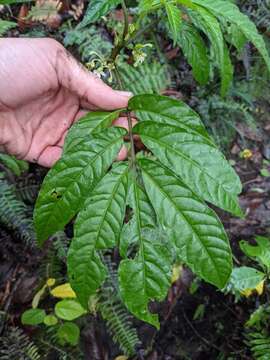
x,y
61,244
259,12
14,344
117,319
48,341
259,344
5,26
17,167
146,78
27,189
91,43
13,212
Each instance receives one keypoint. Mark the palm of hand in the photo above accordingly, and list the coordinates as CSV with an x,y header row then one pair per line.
x,y
51,92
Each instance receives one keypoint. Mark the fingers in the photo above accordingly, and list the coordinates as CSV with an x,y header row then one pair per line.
x,y
92,91
49,156
123,153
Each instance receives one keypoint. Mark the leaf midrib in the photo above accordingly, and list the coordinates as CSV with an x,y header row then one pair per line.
x,y
184,218
180,154
92,160
191,130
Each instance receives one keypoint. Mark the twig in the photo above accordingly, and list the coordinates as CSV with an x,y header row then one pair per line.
x,y
198,335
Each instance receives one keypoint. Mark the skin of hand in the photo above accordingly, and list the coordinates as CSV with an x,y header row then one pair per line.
x,y
43,90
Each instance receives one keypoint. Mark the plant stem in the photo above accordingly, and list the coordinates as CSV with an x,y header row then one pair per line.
x,y
132,145
122,43
113,57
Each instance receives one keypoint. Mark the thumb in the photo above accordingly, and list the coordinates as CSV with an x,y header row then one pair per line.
x,y
87,86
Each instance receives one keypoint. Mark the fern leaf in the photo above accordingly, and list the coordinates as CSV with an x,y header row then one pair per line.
x,y
13,213
5,26
147,78
14,344
259,344
113,311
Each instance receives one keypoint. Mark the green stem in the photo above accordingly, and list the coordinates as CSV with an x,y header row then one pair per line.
x,y
132,145
116,50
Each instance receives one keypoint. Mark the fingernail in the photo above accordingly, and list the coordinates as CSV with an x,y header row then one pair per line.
x,y
124,93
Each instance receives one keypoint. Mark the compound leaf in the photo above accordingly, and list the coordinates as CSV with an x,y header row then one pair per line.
x,y
97,227
70,181
147,276
196,231
202,167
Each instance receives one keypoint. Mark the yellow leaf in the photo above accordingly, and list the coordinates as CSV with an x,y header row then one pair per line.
x,y
38,296
176,273
260,287
50,282
246,292
246,154
63,291
121,357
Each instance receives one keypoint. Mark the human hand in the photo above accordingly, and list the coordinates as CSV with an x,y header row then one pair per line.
x,y
43,90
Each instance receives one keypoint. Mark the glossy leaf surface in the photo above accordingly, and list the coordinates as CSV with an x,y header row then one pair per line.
x,y
201,166
90,123
195,50
147,276
70,181
97,227
230,12
195,230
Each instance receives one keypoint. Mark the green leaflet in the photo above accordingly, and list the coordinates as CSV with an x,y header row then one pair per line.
x,y
205,21
195,229
97,227
174,19
90,123
6,25
147,276
232,14
70,181
195,50
96,9
245,277
201,166
165,110
129,234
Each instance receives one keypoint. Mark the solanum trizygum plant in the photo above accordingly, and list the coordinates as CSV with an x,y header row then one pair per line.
x,y
166,187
